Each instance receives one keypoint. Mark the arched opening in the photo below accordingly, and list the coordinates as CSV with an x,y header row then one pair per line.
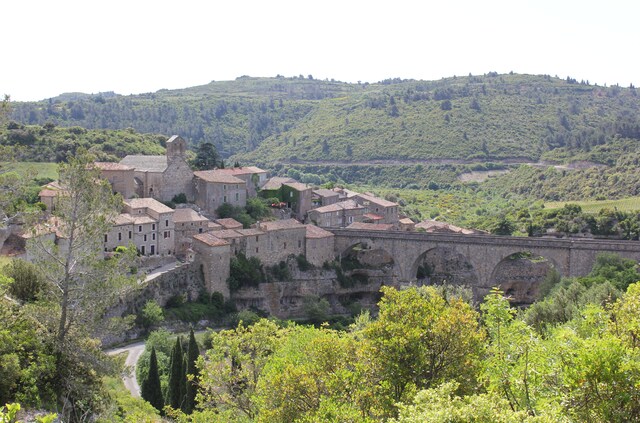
x,y
139,187
444,265
361,255
520,276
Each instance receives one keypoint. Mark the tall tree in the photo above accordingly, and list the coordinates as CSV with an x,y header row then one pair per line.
x,y
151,390
207,157
175,389
82,284
191,382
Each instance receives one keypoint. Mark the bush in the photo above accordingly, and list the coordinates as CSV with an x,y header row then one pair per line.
x,y
245,272
280,271
27,280
179,198
303,263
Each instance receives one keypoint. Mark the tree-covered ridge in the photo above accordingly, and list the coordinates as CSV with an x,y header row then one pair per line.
x,y
51,143
266,120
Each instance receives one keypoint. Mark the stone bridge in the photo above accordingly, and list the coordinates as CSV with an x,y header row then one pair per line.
x,y
570,257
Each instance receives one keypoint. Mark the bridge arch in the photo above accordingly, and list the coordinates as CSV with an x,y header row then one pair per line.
x,y
520,274
367,255
443,265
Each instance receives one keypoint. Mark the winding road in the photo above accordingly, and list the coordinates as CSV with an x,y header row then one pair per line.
x,y
134,351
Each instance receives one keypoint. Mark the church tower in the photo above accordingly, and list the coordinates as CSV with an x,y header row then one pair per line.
x,y
176,149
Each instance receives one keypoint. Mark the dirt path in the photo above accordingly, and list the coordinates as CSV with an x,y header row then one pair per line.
x,y
134,351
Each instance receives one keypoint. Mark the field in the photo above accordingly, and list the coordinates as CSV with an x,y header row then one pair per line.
x,y
43,169
626,204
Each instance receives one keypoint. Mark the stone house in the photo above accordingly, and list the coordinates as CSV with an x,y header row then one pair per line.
x,y
213,189
296,196
214,257
49,193
379,210
228,223
337,215
162,177
319,245
254,177
284,238
187,223
324,197
406,224
149,225
121,177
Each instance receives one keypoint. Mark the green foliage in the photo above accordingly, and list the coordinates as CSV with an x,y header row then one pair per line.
x,y
303,263
27,282
152,314
207,157
280,271
151,389
177,380
245,272
316,309
179,198
193,352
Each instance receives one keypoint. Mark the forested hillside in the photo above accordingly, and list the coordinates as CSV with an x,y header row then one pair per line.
x,y
269,120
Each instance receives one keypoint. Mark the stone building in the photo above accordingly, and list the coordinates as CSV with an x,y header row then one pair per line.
x,y
379,210
319,245
121,177
145,223
298,198
228,223
254,177
162,177
213,189
324,197
284,238
214,257
188,223
337,215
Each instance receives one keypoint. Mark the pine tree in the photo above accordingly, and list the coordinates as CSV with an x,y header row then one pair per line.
x,y
175,389
191,388
151,389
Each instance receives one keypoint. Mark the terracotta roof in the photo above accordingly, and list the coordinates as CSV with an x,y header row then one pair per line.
x,y
111,166
247,170
406,221
229,223
276,182
343,205
275,225
214,226
146,163
373,216
52,189
315,232
216,176
187,215
149,203
380,201
48,193
250,232
298,186
210,239
228,233
371,226
142,219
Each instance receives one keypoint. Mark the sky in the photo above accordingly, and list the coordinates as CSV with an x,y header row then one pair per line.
x,y
137,46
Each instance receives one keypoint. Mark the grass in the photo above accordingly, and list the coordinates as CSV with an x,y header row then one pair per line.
x,y
4,260
625,204
42,169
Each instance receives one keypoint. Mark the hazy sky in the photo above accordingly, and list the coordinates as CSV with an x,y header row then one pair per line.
x,y
134,46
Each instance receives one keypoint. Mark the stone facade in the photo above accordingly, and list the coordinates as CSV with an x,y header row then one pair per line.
x,y
284,238
254,177
388,210
214,189
337,215
187,223
121,177
319,245
214,256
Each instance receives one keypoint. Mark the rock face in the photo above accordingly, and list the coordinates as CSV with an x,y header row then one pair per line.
x,y
444,265
520,278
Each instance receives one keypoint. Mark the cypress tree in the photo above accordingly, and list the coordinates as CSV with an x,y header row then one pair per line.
x,y
151,389
175,389
191,388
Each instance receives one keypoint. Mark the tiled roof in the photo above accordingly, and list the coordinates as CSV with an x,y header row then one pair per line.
x,y
315,232
406,221
371,226
217,177
275,225
228,233
247,170
150,203
436,226
276,182
111,166
146,163
123,219
298,186
343,205
380,201
210,239
250,232
323,192
187,215
229,223
214,226
48,193
373,216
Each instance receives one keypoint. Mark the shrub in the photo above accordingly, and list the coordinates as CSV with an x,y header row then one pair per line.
x,y
303,263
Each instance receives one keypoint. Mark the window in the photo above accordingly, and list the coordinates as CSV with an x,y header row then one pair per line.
x,y
256,250
291,194
166,222
153,236
299,244
153,249
129,234
105,237
237,196
167,234
145,238
119,236
142,250
256,238
199,230
139,228
153,226
224,187
224,200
